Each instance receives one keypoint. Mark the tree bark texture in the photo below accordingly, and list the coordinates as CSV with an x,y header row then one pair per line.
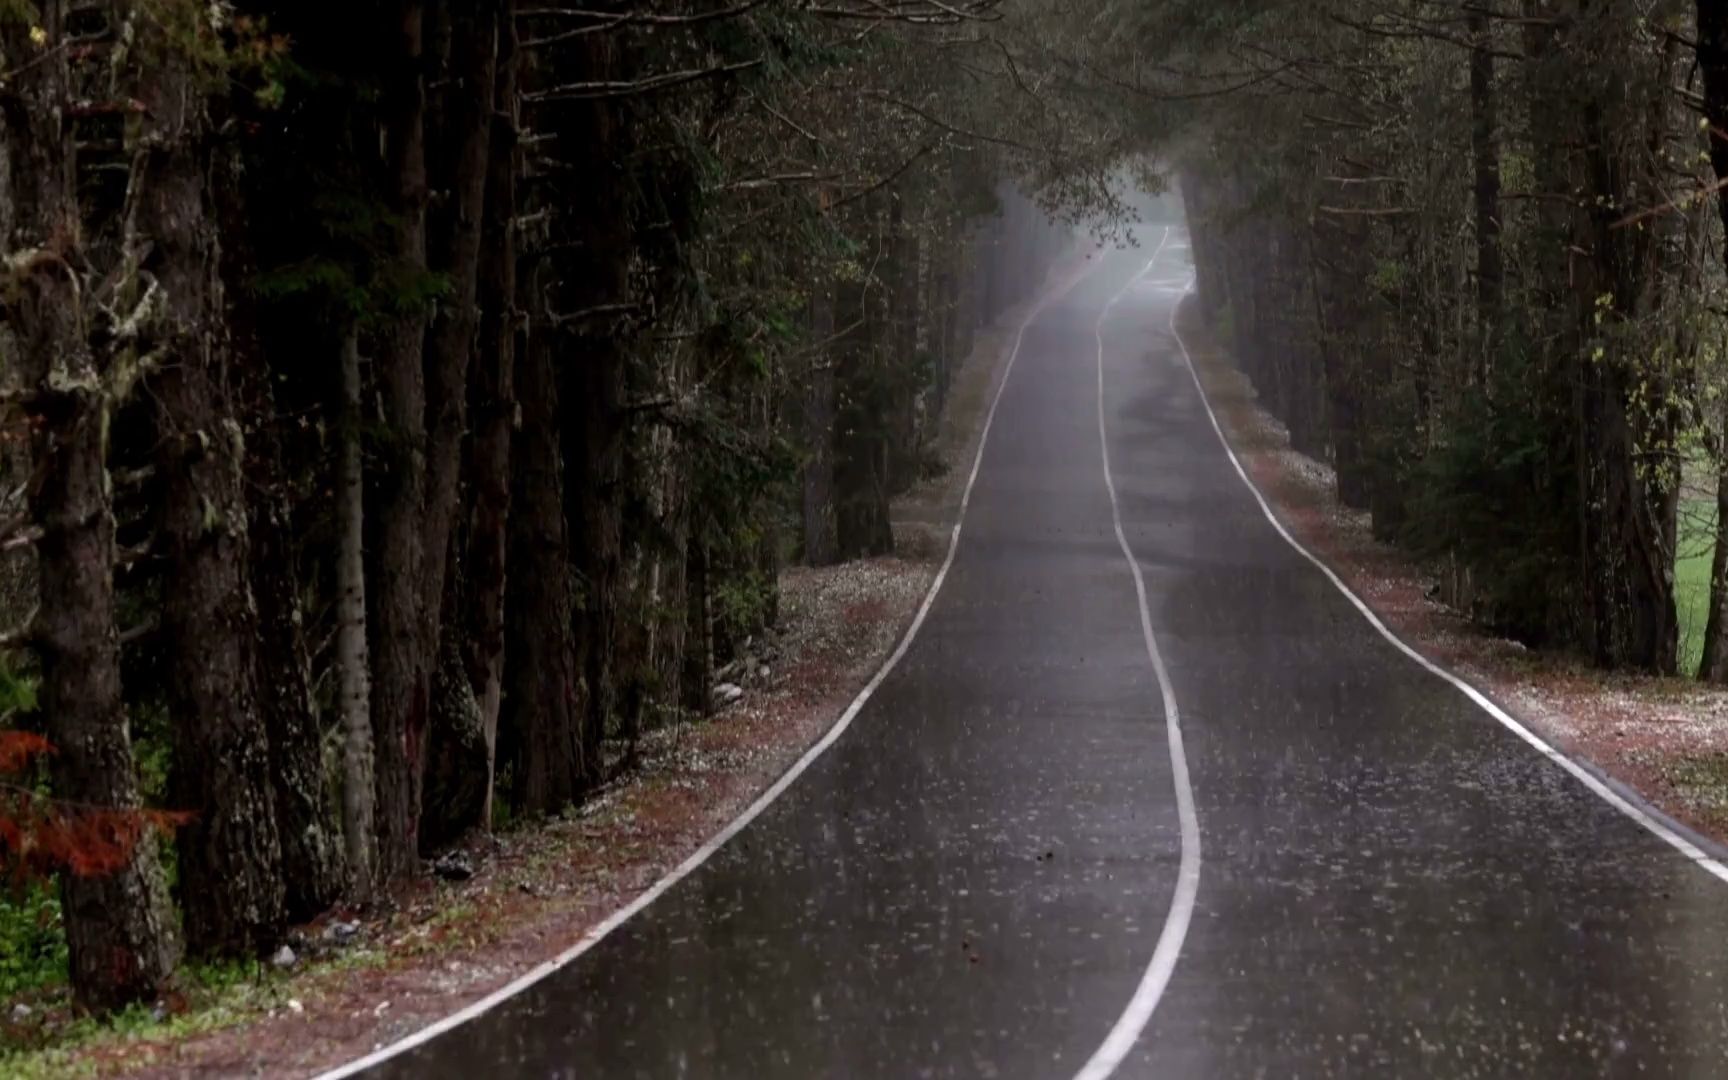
x,y
230,855
353,665
1485,161
492,410
817,489
313,869
462,49
541,707
397,588
119,930
592,274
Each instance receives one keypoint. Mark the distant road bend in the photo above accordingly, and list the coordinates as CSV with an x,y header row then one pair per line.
x,y
1182,812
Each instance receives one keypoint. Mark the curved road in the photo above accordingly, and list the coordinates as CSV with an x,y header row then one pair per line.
x,y
989,875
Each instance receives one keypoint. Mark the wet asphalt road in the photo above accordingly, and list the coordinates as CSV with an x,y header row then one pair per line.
x,y
972,880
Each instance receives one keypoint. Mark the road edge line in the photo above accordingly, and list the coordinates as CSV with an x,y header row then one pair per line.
x,y
1119,1043
692,862
1693,853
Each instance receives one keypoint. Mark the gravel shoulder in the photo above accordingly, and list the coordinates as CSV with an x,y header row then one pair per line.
x,y
507,902
1665,738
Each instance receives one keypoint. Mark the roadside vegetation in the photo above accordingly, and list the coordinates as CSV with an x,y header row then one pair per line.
x,y
1472,256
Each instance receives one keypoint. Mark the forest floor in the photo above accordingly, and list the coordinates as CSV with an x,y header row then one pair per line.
x,y
1666,738
507,902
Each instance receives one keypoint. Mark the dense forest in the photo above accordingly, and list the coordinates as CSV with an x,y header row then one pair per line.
x,y
1471,254
408,403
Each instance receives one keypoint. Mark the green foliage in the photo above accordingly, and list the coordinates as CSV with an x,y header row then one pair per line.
x,y
32,939
1389,277
216,996
17,691
1496,495
19,11
343,272
742,603
155,756
313,277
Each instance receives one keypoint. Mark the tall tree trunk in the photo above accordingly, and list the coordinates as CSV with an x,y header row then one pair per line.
x,y
541,709
463,42
397,585
818,418
1351,462
944,302
1485,157
593,275
353,665
312,865
119,931
901,348
862,527
462,160
230,856
1545,308
696,679
492,411
1627,419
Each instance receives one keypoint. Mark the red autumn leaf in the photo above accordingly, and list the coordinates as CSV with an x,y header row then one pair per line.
x,y
18,747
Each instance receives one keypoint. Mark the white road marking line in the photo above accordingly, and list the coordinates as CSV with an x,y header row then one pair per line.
x,y
1584,776
1120,1042
702,854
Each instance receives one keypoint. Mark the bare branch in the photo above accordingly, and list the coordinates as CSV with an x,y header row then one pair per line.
x,y
584,91
603,21
945,126
20,636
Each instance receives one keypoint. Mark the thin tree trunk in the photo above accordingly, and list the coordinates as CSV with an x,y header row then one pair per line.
x,y
818,416
492,405
353,667
698,667
944,304
1485,155
900,357
398,589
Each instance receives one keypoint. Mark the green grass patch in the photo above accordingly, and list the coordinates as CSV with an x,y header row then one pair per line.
x,y
1692,578
214,996
66,1048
